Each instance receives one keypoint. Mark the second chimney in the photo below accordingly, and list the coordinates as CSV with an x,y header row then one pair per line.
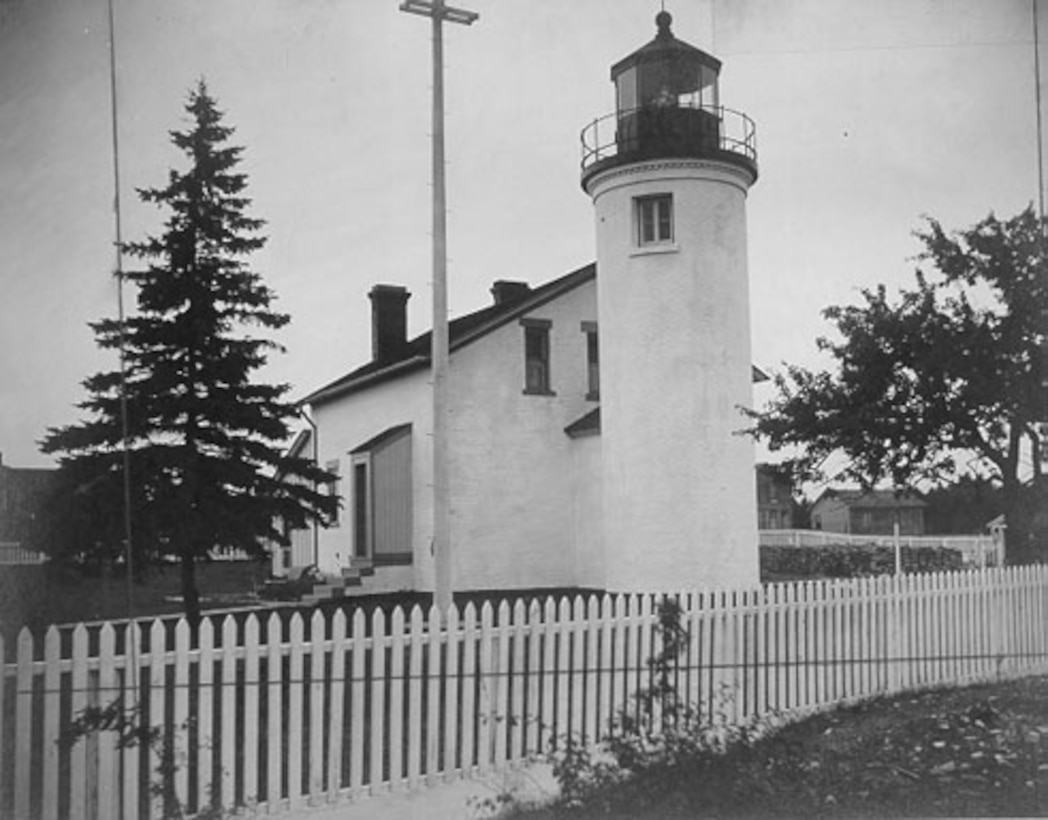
x,y
389,322
506,292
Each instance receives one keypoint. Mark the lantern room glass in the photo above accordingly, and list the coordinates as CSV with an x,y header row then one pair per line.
x,y
676,82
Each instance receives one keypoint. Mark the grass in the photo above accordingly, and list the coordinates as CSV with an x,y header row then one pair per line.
x,y
44,594
40,595
978,751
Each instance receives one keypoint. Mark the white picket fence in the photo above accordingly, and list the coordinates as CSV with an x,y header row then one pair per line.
x,y
281,712
12,552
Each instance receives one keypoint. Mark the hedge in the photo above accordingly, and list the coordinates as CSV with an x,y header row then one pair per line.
x,y
854,560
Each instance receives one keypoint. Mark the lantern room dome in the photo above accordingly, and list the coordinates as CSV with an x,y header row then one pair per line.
x,y
667,103
666,49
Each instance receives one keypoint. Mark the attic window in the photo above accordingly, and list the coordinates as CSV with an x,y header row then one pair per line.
x,y
654,216
536,356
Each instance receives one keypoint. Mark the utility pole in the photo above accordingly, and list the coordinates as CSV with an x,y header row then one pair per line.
x,y
1037,104
1043,391
439,12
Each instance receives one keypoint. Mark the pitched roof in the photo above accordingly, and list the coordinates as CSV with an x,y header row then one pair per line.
x,y
461,332
874,498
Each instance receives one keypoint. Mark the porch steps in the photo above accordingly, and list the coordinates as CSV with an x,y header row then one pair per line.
x,y
334,586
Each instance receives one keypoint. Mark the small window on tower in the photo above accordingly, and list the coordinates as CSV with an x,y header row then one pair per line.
x,y
592,361
536,356
654,220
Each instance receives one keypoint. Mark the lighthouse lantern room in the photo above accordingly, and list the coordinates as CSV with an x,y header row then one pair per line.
x,y
667,103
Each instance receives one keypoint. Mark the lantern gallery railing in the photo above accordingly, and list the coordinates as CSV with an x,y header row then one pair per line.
x,y
679,130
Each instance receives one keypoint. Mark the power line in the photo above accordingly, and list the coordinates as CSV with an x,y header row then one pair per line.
x,y
1016,44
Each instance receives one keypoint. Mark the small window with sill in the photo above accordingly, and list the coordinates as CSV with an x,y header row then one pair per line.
x,y
536,356
333,490
361,506
654,220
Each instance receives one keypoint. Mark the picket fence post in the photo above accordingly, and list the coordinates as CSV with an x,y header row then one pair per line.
x,y
315,761
225,795
336,723
533,734
452,684
470,675
358,643
252,682
377,714
51,706
397,688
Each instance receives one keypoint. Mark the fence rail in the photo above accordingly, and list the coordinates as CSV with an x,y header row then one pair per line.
x,y
277,713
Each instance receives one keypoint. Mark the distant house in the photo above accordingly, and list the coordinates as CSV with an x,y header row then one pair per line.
x,y
22,494
775,504
871,512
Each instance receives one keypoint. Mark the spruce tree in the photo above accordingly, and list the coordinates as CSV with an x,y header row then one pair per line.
x,y
204,440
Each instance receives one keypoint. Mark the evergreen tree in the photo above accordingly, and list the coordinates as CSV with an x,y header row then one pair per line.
x,y
203,439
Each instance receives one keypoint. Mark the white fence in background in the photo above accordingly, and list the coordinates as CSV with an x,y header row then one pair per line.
x,y
12,552
974,548
277,712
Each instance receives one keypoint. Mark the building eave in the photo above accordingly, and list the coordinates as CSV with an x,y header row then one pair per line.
x,y
348,384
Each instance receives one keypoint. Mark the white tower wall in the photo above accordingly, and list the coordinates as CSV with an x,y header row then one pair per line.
x,y
679,487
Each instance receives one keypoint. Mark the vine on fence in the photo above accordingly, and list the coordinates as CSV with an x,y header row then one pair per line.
x,y
133,730
663,733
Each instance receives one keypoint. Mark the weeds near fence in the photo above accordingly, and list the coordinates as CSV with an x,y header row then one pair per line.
x,y
649,744
132,730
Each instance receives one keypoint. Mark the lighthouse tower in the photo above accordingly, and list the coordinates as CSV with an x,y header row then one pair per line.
x,y
669,173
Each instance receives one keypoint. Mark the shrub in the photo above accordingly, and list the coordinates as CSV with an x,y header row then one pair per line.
x,y
854,561
648,748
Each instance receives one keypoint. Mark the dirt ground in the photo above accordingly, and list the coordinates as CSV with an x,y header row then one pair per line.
x,y
980,751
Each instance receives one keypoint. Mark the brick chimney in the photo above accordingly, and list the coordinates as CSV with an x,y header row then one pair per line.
x,y
389,322
507,293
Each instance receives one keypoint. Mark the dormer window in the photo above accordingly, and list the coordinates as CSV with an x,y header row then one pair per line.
x,y
654,220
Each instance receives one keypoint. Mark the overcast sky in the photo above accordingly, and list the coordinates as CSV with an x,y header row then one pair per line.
x,y
868,115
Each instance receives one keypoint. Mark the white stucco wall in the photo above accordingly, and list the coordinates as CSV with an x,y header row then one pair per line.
x,y
344,424
589,514
512,476
679,495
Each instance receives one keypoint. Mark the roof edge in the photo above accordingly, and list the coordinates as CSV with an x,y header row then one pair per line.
x,y
541,295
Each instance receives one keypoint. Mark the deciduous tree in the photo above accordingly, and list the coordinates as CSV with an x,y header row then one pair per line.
x,y
944,379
